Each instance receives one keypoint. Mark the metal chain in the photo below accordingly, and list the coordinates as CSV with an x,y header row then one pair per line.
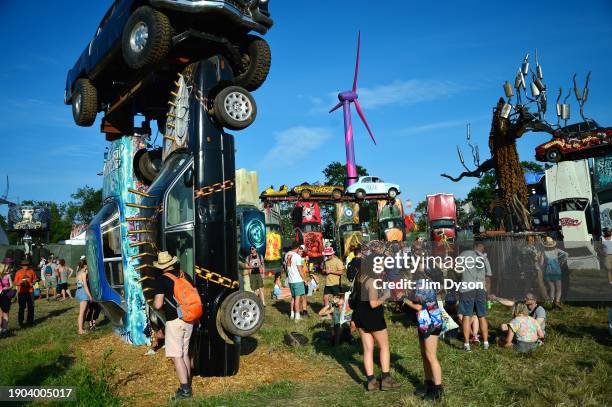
x,y
216,278
218,187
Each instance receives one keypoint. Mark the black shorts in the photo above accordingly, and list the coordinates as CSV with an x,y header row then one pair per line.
x,y
331,289
5,303
431,331
62,286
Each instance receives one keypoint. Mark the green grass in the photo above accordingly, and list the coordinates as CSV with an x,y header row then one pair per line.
x,y
572,369
44,355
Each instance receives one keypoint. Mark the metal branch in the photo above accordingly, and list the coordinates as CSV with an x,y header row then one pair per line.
x,y
477,173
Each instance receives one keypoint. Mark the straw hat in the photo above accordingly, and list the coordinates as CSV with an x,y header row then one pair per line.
x,y
164,260
549,242
328,251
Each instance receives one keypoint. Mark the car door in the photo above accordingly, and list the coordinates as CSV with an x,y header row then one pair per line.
x,y
377,186
109,32
179,220
366,184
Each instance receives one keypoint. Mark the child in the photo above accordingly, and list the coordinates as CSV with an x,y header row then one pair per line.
x,y
313,284
523,331
279,292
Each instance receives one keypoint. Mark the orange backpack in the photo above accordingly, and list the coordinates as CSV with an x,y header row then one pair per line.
x,y
189,304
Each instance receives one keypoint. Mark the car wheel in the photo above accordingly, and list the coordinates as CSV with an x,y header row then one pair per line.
x,y
553,155
146,37
256,61
234,107
242,313
360,194
147,164
392,192
84,103
337,194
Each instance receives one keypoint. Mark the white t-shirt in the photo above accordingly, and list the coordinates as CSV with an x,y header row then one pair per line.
x,y
607,245
293,273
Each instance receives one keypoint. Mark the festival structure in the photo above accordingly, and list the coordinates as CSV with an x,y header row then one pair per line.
x,y
193,77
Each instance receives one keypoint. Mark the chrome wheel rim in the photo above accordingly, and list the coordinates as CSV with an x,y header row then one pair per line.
x,y
77,103
392,193
238,106
139,37
245,314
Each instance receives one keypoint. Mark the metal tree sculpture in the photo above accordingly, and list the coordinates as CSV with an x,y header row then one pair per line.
x,y
509,123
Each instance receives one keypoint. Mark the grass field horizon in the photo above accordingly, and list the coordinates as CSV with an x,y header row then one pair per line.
x,y
572,368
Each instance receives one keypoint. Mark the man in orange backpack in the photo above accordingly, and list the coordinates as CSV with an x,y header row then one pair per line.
x,y
178,331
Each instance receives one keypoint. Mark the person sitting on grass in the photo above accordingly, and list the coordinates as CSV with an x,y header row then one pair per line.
x,y
536,311
523,331
279,292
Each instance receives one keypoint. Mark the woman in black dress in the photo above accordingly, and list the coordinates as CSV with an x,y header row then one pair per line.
x,y
369,318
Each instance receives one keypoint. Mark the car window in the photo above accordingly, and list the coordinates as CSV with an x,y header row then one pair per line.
x,y
573,128
366,179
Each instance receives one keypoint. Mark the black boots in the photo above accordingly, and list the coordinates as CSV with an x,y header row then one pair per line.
x,y
433,392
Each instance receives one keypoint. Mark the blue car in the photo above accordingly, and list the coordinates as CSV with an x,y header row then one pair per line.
x,y
152,40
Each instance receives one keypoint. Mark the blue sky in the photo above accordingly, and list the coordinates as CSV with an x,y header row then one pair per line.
x,y
426,71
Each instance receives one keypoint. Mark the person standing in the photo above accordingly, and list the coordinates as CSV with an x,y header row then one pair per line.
x,y
24,279
6,288
64,273
333,268
606,241
369,318
50,278
177,331
423,300
478,272
82,295
255,265
295,278
551,261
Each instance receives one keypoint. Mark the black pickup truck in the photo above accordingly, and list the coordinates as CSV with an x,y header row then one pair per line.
x,y
139,37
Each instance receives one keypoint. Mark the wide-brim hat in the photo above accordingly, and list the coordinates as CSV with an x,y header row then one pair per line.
x,y
164,260
7,260
24,262
328,251
549,242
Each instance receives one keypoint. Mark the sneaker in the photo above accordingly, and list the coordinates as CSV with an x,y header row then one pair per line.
x,y
181,394
475,339
297,317
292,315
389,384
373,385
466,347
485,345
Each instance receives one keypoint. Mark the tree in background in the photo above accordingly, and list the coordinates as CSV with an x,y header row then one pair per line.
x,y
87,202
335,173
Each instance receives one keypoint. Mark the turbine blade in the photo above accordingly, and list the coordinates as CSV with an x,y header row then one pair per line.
x,y
357,61
363,119
336,107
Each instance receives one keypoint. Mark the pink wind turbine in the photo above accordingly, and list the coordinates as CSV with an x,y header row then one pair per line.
x,y
345,99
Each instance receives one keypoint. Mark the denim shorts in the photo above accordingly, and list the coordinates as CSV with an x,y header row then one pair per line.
x,y
474,299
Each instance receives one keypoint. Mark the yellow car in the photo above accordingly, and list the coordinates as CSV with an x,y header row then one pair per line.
x,y
283,191
305,191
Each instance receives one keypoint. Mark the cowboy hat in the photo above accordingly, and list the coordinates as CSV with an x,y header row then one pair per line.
x,y
549,242
328,251
164,260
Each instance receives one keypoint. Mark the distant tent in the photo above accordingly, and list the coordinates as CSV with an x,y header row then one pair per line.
x,y
75,241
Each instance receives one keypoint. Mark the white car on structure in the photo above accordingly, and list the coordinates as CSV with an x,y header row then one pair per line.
x,y
373,186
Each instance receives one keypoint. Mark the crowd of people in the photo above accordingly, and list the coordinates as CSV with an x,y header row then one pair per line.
x,y
23,284
432,309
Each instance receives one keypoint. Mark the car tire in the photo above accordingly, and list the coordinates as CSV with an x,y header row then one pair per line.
x,y
146,37
360,194
242,313
305,193
553,155
392,192
256,61
147,165
84,103
234,108
337,194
